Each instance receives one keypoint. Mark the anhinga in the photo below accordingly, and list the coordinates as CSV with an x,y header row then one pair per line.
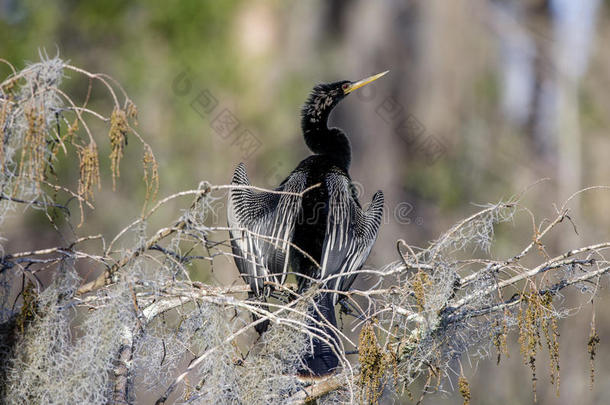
x,y
273,233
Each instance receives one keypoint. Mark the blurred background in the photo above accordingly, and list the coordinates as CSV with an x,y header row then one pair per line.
x,y
483,100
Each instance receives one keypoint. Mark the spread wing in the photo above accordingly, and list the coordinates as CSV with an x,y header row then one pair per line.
x,y
350,233
261,228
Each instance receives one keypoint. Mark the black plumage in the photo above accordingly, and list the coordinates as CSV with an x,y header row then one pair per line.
x,y
313,224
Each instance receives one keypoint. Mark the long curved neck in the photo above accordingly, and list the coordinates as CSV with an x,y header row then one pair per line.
x,y
321,140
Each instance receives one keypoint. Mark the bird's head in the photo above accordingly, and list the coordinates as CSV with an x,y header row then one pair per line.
x,y
324,97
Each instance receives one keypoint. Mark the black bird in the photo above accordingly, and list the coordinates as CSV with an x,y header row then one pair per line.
x,y
316,231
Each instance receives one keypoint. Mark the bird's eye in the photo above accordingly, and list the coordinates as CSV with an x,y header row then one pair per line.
x,y
345,86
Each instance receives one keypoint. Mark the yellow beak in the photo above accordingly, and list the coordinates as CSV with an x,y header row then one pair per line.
x,y
363,82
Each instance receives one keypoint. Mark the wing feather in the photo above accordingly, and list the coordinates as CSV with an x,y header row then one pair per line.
x,y
261,228
350,232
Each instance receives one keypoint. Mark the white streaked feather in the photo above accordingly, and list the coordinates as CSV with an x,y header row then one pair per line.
x,y
350,232
267,221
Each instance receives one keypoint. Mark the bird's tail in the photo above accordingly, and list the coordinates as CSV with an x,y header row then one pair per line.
x,y
263,326
320,358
